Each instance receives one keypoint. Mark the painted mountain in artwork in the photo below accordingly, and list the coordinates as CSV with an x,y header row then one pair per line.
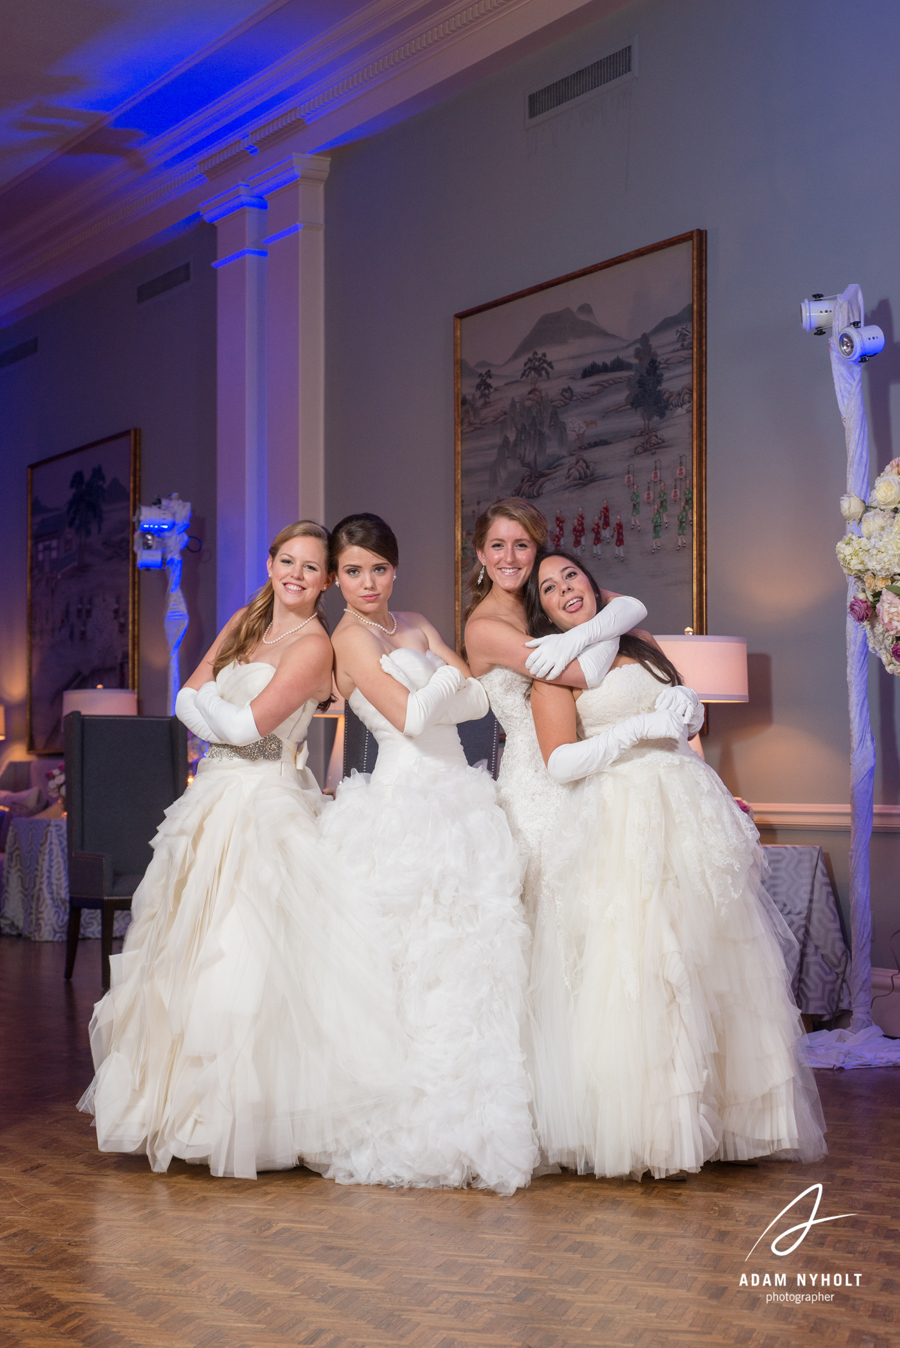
x,y
562,328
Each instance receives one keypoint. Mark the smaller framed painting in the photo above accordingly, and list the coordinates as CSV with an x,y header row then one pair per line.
x,y
586,396
82,578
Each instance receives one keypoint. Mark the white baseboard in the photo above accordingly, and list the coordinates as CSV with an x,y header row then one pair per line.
x,y
834,817
886,1000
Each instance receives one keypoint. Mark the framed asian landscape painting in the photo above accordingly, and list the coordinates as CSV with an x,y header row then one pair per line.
x,y
586,396
82,578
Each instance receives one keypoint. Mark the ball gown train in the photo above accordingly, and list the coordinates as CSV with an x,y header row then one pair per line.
x,y
427,841
250,1023
679,1030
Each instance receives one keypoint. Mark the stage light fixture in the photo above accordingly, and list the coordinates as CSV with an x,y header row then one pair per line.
x,y
857,343
817,314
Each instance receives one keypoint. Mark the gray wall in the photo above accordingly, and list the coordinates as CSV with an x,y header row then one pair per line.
x,y
773,127
104,364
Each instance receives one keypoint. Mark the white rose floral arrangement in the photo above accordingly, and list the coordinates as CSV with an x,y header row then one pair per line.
x,y
872,559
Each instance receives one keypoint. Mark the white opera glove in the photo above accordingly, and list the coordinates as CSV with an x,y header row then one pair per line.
x,y
187,713
558,650
597,661
228,724
470,704
425,707
571,762
686,703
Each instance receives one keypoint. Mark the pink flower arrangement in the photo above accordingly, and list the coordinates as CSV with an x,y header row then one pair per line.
x,y
888,612
893,467
860,609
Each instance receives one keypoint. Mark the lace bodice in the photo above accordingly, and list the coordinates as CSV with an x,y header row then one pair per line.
x,y
239,685
528,793
628,690
398,752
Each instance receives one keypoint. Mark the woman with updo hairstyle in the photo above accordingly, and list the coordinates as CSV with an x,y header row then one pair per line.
x,y
668,1024
250,1024
430,848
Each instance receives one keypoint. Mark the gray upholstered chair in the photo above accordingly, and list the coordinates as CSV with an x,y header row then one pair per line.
x,y
480,742
122,774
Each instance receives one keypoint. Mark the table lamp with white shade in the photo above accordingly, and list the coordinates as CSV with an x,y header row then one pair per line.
x,y
715,667
100,701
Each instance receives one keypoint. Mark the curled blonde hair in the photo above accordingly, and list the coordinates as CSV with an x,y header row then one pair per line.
x,y
511,508
248,631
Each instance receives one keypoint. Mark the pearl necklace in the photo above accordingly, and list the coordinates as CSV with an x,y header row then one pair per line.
x,y
368,622
289,633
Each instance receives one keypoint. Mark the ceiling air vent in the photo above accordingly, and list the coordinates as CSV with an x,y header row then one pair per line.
x,y
613,69
19,352
160,284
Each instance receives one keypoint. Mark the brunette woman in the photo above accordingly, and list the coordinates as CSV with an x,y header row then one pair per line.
x,y
671,1008
429,845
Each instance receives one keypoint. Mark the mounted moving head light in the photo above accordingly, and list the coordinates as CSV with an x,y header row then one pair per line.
x,y
856,343
817,314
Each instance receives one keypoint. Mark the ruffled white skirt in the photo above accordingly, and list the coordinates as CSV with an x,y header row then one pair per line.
x,y
433,850
664,1027
250,1023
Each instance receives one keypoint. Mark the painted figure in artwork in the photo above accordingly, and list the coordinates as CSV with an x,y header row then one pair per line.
x,y
604,523
657,530
578,530
664,504
682,527
620,539
597,532
635,509
560,531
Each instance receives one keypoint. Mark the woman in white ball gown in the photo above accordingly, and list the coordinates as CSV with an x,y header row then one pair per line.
x,y
680,1032
428,842
250,1023
507,538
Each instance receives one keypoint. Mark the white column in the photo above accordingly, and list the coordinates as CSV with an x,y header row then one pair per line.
x,y
241,480
295,337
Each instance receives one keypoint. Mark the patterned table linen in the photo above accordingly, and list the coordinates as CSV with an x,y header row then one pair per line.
x,y
35,896
798,885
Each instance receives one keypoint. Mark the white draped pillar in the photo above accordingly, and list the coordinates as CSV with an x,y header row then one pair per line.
x,y
241,469
295,337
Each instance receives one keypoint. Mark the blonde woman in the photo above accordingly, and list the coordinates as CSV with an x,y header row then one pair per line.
x,y
250,1024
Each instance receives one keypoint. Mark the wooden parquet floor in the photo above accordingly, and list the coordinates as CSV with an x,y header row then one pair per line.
x,y
98,1251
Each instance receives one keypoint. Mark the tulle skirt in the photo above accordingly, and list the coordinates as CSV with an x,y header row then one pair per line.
x,y
433,850
250,1023
665,1033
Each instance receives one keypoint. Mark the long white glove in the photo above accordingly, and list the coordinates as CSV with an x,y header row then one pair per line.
x,y
558,650
187,713
686,703
571,762
228,724
470,704
597,661
426,707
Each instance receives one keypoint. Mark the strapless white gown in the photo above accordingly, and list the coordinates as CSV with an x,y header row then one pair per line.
x,y
250,1022
681,1032
426,840
534,804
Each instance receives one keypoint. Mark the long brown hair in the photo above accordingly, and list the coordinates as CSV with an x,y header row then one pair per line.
x,y
248,631
539,625
522,513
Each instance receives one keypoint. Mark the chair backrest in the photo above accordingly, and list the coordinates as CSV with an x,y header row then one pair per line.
x,y
122,774
480,742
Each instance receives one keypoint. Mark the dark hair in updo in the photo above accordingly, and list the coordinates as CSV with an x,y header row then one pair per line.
x,y
539,625
364,531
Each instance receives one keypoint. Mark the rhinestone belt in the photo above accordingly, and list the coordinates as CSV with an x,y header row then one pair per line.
x,y
268,749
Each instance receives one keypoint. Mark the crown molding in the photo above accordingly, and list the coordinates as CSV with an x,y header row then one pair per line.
x,y
381,57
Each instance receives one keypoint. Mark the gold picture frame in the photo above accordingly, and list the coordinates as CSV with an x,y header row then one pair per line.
x,y
576,402
82,577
